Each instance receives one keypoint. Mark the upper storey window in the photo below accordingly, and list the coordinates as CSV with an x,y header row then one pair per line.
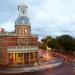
x,y
26,31
20,30
1,41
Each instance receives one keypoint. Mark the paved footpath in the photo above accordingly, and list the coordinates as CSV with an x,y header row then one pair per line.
x,y
64,69
43,66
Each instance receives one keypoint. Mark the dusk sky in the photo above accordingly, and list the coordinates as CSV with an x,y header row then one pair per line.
x,y
47,17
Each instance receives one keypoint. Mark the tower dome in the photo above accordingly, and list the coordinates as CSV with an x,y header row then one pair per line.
x,y
22,20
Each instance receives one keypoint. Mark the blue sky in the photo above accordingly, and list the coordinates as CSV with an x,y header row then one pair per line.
x,y
47,17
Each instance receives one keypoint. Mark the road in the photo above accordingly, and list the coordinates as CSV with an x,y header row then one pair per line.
x,y
65,69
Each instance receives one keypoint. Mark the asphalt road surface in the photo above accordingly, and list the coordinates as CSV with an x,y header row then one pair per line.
x,y
65,69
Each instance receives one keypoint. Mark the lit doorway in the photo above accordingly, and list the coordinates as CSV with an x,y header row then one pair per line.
x,y
15,58
11,57
19,58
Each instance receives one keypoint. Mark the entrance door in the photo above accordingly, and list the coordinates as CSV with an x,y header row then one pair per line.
x,y
12,58
19,58
15,58
26,58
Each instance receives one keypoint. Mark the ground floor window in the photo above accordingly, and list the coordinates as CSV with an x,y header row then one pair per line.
x,y
0,57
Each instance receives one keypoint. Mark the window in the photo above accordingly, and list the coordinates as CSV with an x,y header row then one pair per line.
x,y
20,55
31,55
25,31
0,49
1,42
20,42
19,30
0,57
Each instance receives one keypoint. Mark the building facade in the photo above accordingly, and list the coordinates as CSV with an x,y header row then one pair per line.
x,y
19,46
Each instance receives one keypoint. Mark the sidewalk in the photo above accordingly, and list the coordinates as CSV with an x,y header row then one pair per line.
x,y
42,66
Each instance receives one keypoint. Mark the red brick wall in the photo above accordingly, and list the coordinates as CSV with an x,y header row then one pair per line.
x,y
3,49
12,41
34,41
7,41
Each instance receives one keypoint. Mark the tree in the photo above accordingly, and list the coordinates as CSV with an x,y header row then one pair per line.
x,y
42,46
66,42
46,39
52,43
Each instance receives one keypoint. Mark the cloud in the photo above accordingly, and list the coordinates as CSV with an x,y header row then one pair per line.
x,y
47,17
8,26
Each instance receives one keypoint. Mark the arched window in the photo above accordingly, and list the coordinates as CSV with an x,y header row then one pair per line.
x,y
25,31
20,30
19,42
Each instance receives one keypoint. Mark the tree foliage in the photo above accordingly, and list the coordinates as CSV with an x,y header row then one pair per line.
x,y
66,43
42,46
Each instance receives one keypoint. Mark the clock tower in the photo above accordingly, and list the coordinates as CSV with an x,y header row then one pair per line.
x,y
22,24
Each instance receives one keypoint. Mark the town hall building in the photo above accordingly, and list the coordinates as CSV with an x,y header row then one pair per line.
x,y
19,46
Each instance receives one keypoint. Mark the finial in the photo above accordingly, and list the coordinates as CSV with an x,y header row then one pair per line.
x,y
22,1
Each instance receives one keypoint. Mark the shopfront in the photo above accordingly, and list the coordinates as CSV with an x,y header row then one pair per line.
x,y
22,58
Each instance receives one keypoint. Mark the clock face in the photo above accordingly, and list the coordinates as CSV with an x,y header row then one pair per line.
x,y
22,10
